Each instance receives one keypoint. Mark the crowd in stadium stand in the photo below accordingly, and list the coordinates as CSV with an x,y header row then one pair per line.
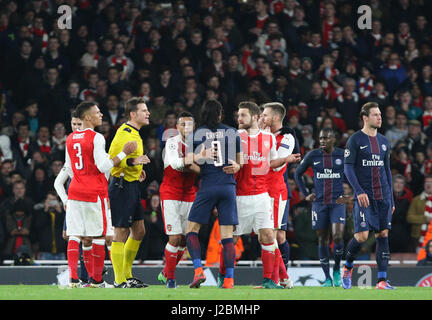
x,y
307,54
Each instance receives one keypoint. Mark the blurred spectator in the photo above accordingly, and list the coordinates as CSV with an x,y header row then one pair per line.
x,y
306,239
399,131
18,226
427,261
416,139
155,234
418,213
399,235
47,228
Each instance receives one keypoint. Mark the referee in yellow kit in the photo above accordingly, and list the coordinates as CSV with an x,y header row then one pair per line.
x,y
126,209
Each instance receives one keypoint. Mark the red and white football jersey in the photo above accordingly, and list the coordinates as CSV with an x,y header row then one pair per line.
x,y
176,184
285,144
87,163
258,150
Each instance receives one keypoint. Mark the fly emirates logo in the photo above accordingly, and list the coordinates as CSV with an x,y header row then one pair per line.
x,y
375,162
328,174
255,156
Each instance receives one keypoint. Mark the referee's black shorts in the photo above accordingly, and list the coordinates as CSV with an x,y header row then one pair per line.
x,y
125,200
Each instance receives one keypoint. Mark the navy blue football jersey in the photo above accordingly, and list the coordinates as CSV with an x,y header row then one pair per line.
x,y
328,174
370,158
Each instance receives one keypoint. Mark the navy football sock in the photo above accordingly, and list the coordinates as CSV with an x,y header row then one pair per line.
x,y
229,256
352,249
285,251
338,252
382,257
323,253
194,248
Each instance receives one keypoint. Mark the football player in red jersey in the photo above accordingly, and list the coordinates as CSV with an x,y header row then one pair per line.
x,y
272,119
254,207
87,210
177,195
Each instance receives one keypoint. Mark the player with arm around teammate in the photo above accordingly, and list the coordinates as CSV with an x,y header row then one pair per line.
x,y
254,205
328,204
272,118
177,193
218,153
367,168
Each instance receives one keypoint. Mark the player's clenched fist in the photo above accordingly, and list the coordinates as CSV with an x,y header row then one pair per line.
x,y
295,157
130,147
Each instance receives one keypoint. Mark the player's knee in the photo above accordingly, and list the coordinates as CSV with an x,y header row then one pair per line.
x,y
382,234
323,241
267,236
86,241
337,237
281,236
361,237
175,240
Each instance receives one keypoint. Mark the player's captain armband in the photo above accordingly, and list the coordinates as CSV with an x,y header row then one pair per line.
x,y
287,145
121,156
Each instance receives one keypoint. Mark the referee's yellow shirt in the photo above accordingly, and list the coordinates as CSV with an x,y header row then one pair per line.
x,y
124,134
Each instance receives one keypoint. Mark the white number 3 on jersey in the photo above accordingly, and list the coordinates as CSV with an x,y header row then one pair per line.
x,y
78,165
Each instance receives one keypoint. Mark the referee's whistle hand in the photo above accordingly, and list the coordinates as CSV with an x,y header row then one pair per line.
x,y
130,147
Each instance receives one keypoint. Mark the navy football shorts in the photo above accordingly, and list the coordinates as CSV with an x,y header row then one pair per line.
x,y
223,197
376,217
324,215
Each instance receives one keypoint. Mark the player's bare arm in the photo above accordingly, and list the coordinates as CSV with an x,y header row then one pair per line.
x,y
292,158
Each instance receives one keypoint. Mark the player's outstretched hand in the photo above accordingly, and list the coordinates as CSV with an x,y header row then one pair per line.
x,y
363,200
311,197
233,168
130,147
295,157
206,154
140,160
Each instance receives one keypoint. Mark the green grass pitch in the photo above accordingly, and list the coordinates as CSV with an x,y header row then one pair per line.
x,y
159,292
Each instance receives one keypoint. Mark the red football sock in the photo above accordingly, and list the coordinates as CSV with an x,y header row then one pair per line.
x,y
73,257
221,264
88,260
268,259
275,275
282,270
180,253
98,259
171,254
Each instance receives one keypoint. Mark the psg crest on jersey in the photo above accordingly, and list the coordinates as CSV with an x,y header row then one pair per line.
x,y
346,153
338,162
384,147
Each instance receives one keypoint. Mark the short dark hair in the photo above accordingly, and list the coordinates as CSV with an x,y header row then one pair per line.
x,y
185,114
131,105
253,108
83,107
365,109
330,131
276,107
